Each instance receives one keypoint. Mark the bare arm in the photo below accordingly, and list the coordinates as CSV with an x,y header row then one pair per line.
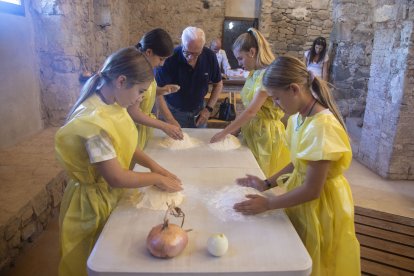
x,y
325,71
215,92
251,111
118,177
141,118
315,178
165,111
259,184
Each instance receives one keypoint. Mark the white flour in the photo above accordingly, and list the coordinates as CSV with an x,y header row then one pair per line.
x,y
230,142
187,143
156,199
221,203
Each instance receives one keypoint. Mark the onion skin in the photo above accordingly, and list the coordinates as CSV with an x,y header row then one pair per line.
x,y
166,240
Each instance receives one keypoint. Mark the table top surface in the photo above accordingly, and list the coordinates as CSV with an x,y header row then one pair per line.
x,y
265,244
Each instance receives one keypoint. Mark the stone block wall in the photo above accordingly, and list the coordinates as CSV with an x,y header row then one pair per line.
x,y
174,16
71,35
291,26
352,37
387,136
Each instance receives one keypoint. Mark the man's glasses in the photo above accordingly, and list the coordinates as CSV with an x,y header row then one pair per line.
x,y
188,53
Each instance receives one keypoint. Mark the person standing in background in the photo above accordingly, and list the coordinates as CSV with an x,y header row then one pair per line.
x,y
192,67
317,59
157,46
223,62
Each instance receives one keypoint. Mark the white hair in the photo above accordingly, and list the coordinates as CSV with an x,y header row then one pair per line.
x,y
192,33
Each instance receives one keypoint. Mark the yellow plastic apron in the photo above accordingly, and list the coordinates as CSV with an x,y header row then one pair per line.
x,y
88,200
265,132
326,224
145,132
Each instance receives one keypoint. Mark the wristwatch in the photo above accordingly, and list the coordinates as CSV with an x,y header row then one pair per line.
x,y
209,108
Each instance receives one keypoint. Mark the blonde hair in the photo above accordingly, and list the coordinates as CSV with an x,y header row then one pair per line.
x,y
254,39
128,62
286,70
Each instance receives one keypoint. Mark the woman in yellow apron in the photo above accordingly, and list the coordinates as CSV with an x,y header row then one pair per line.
x,y
96,147
260,122
156,45
318,200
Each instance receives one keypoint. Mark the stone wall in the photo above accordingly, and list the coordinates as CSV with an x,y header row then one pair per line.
x,y
174,16
387,136
291,26
351,39
68,37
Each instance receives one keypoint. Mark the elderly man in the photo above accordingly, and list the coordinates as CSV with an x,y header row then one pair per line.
x,y
192,67
223,62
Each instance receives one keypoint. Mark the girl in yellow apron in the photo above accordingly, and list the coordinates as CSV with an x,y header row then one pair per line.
x,y
318,200
260,122
156,45
96,147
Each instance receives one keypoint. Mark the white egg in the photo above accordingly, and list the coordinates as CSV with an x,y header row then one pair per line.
x,y
217,244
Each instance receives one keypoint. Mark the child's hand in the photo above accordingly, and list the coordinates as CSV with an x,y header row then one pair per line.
x,y
255,205
253,182
160,170
218,137
173,131
171,88
169,184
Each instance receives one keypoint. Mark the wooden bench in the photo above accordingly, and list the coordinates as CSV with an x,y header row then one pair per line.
x,y
387,242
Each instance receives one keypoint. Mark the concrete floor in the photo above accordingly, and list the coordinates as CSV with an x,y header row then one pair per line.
x,y
41,257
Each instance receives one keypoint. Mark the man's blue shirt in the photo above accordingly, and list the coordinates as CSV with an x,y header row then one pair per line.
x,y
193,82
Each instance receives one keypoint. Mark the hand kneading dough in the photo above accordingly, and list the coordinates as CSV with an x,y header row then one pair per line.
x,y
186,143
230,142
156,199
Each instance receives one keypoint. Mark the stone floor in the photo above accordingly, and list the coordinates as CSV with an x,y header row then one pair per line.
x,y
369,190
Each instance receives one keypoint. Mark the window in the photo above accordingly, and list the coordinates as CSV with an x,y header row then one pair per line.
x,y
12,6
232,28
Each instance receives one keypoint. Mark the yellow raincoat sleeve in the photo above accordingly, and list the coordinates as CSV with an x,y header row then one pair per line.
x,y
323,140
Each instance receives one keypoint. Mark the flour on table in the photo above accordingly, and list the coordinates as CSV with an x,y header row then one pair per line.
x,y
156,199
187,143
230,142
221,203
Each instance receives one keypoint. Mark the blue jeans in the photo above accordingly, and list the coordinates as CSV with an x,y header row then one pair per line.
x,y
186,119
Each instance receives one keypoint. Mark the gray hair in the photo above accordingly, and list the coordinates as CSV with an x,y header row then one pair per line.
x,y
192,33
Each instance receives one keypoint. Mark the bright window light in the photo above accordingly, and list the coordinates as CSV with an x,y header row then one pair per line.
x,y
16,2
12,6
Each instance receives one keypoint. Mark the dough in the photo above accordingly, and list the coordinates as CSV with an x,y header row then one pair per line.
x,y
186,143
230,142
155,199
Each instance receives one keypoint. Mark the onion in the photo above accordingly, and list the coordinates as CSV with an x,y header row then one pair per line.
x,y
167,240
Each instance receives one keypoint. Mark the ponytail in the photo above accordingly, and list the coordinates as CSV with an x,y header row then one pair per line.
x,y
128,62
254,39
286,70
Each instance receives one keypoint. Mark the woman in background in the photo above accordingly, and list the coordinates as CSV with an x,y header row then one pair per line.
x,y
317,59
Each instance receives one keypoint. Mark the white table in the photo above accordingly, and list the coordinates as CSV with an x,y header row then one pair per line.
x,y
258,245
